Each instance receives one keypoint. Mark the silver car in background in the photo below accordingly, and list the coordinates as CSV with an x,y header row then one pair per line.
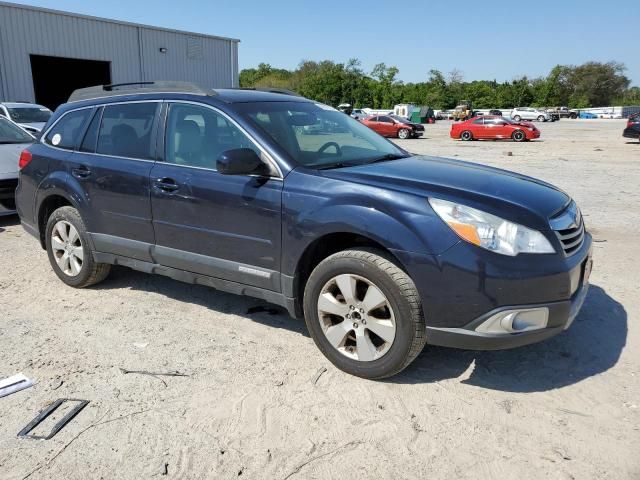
x,y
13,140
30,116
528,113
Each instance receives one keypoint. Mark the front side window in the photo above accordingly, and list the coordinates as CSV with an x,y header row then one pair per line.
x,y
385,119
127,130
478,121
10,133
318,136
196,136
65,133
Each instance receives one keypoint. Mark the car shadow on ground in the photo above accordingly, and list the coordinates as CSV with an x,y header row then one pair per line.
x,y
591,346
252,309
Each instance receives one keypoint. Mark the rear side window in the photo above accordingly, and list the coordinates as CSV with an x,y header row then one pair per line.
x,y
66,132
127,130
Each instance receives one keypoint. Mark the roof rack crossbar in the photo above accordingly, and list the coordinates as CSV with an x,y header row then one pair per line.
x,y
134,88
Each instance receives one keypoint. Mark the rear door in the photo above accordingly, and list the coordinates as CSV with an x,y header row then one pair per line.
x,y
224,226
478,129
112,167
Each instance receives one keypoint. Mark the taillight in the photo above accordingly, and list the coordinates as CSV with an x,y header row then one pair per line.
x,y
25,158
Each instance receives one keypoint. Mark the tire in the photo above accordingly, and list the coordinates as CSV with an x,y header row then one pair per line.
x,y
404,133
73,251
354,347
541,118
573,116
517,118
518,136
466,136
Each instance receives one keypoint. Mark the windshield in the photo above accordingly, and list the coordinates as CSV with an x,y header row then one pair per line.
x,y
10,133
317,136
29,114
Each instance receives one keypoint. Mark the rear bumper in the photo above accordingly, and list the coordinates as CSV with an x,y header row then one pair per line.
x,y
465,286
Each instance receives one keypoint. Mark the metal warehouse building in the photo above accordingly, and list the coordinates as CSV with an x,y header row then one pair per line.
x,y
46,54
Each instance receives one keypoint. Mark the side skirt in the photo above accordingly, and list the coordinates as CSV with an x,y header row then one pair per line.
x,y
199,279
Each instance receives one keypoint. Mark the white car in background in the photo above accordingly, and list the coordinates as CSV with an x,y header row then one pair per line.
x,y
13,140
527,113
30,116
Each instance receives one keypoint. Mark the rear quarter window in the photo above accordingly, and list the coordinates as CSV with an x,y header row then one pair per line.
x,y
66,132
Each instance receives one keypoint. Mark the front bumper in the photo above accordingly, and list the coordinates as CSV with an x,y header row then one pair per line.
x,y
8,188
465,286
631,133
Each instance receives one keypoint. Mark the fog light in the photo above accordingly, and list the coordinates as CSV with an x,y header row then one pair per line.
x,y
515,321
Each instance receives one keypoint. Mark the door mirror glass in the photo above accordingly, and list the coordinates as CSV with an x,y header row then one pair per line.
x,y
241,161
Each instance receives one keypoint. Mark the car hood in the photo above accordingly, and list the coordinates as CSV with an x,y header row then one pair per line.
x,y
9,157
515,197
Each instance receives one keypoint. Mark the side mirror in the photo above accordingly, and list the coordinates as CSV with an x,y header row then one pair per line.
x,y
241,161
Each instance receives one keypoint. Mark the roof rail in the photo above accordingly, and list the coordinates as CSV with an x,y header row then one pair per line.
x,y
134,88
282,91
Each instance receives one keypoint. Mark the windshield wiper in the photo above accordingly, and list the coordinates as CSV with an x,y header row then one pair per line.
x,y
387,157
329,166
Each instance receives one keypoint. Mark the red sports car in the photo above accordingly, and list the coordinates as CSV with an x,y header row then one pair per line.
x,y
393,126
495,128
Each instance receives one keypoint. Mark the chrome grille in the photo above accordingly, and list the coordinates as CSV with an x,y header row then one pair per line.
x,y
569,228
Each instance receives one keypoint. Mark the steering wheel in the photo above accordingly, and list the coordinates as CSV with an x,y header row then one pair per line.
x,y
331,144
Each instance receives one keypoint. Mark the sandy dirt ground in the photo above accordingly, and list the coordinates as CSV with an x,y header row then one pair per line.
x,y
252,404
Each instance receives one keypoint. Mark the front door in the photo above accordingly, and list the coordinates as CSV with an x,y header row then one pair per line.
x,y
224,226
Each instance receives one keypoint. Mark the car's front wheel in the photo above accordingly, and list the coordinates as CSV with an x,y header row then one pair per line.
x,y
518,136
69,252
364,313
517,118
404,133
541,118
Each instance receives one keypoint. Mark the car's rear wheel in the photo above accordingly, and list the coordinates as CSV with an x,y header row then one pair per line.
x,y
466,136
517,118
69,250
404,133
541,118
364,313
518,136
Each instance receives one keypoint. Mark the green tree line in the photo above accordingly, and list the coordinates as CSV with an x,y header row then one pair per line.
x,y
592,84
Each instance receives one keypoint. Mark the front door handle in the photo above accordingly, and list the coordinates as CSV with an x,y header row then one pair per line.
x,y
81,172
166,184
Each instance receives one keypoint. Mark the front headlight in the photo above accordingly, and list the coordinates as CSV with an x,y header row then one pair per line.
x,y
490,232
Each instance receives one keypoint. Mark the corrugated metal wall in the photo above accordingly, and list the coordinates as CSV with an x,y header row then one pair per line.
x,y
134,51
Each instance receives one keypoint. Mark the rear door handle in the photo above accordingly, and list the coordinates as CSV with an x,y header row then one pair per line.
x,y
81,172
166,184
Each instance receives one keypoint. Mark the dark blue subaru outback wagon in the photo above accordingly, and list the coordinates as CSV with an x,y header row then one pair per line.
x,y
288,200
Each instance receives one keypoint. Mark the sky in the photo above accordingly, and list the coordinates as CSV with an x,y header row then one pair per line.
x,y
485,40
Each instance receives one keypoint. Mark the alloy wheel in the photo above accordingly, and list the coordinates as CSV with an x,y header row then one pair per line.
x,y
67,248
356,317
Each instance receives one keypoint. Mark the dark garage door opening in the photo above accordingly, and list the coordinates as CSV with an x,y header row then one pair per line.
x,y
54,78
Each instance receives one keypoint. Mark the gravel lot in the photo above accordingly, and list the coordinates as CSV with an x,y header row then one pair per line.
x,y
252,404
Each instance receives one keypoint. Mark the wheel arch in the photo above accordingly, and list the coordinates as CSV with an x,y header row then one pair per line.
x,y
325,246
58,190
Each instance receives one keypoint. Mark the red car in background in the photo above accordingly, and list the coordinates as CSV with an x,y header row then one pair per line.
x,y
494,128
393,126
